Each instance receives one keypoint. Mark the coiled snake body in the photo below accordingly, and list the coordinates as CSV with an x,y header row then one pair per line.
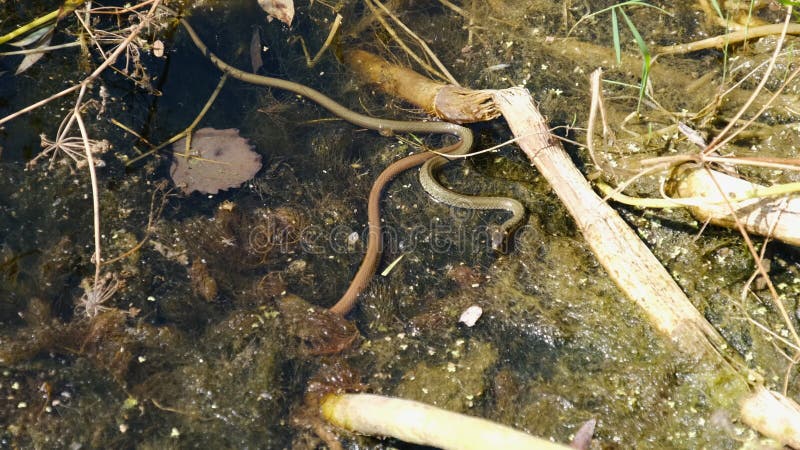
x,y
430,163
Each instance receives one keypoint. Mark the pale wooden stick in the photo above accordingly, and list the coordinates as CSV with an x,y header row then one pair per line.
x,y
616,246
777,217
639,275
424,424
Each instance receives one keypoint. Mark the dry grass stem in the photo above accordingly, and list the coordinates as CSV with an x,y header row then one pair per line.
x,y
311,62
455,8
728,39
442,73
121,48
756,92
186,133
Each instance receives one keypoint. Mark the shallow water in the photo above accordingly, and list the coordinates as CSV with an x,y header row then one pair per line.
x,y
213,339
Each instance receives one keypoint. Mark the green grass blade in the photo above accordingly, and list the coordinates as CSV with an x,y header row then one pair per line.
x,y
717,9
629,3
646,59
612,8
615,35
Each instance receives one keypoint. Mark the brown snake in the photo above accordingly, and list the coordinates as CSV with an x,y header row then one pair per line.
x,y
431,161
372,256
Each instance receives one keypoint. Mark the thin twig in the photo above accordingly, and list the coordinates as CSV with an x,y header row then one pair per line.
x,y
392,32
420,41
311,62
727,39
92,76
723,134
95,191
187,132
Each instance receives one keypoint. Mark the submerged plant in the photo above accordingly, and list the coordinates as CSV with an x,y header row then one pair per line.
x,y
615,35
92,302
71,147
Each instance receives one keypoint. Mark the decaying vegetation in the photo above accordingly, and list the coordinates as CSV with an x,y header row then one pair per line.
x,y
682,137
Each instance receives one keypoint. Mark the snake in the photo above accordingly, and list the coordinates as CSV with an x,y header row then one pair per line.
x,y
430,161
498,234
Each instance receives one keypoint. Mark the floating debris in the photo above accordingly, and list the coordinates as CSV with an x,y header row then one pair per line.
x,y
282,10
471,315
218,160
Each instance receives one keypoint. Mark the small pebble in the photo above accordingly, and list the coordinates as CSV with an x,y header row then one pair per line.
x,y
471,315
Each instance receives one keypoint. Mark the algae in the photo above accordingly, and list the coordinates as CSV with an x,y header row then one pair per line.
x,y
177,364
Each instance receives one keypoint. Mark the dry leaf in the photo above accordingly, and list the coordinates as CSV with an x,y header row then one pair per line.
x,y
255,50
218,160
41,38
282,10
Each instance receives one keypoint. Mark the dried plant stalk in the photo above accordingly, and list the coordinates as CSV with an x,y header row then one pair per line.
x,y
777,217
627,260
451,103
624,256
424,424
641,277
773,415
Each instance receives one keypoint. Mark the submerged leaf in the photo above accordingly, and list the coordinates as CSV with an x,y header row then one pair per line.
x,y
219,159
33,36
282,10
31,58
255,50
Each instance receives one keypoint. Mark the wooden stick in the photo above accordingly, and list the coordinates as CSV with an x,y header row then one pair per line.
x,y
639,275
424,424
448,102
777,217
616,246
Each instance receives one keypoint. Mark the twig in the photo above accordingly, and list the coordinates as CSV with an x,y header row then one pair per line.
x,y
727,39
311,62
421,43
724,140
455,8
187,132
95,192
91,77
36,23
716,142
389,29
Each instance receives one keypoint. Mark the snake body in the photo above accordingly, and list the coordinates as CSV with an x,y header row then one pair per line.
x,y
498,234
430,161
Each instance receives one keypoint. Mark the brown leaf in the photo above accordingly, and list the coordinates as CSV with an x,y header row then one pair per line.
x,y
218,160
282,10
255,50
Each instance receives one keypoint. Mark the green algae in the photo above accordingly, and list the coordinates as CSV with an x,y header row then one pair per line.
x,y
456,384
556,346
